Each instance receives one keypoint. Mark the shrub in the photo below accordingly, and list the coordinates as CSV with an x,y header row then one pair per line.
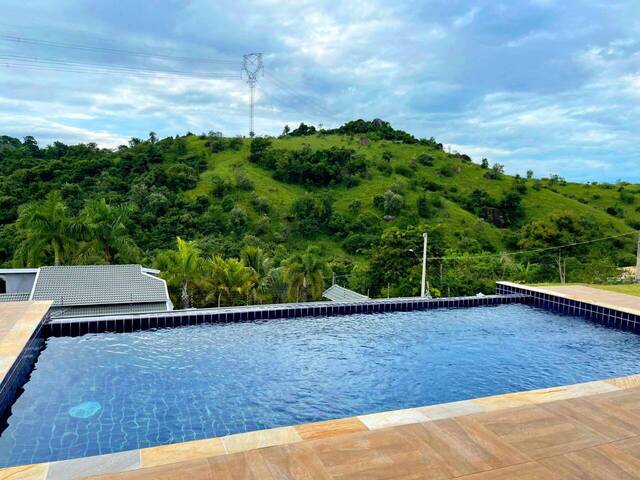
x,y
446,171
243,182
496,172
385,168
393,203
425,159
238,219
615,211
404,170
261,204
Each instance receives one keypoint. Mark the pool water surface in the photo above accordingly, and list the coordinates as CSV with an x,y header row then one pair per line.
x,y
103,393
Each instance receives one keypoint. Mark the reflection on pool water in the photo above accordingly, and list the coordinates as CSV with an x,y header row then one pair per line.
x,y
104,393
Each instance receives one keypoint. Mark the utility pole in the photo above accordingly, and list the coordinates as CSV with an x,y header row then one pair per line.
x,y
423,291
251,67
638,260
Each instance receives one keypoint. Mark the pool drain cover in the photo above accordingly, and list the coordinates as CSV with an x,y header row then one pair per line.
x,y
85,409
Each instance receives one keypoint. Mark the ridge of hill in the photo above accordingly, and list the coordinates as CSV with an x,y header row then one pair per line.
x,y
347,191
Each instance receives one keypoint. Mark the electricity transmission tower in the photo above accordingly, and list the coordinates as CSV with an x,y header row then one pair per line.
x,y
251,67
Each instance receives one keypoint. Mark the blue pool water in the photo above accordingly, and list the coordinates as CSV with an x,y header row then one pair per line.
x,y
104,393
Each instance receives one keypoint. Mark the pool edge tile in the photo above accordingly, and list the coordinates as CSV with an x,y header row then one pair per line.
x,y
330,428
393,418
96,465
630,381
37,471
178,452
241,442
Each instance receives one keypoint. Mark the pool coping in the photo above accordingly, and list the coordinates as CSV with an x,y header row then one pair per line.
x,y
128,323
162,455
614,316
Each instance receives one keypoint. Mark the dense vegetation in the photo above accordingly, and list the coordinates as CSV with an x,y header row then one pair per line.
x,y
272,219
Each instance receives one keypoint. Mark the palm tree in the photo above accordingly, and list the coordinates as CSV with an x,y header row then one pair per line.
x,y
107,229
255,259
47,229
231,279
182,268
305,274
276,284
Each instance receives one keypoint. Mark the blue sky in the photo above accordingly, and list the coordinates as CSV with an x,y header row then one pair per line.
x,y
548,85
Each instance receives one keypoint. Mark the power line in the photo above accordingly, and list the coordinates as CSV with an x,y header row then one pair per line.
x,y
299,96
91,48
535,250
23,59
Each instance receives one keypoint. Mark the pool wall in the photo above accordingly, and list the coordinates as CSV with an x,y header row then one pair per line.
x,y
20,369
178,318
556,302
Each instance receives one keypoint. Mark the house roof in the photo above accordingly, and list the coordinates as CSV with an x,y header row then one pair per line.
x,y
337,293
14,297
98,285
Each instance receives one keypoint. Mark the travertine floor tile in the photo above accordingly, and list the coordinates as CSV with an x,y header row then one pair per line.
x,y
609,421
330,428
523,471
604,462
625,382
259,439
393,418
450,410
178,452
538,432
464,445
26,472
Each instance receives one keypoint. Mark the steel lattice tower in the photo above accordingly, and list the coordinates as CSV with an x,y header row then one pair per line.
x,y
251,67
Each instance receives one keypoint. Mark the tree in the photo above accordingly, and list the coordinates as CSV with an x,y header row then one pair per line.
x,y
231,280
107,229
47,229
558,229
256,260
182,268
484,164
305,274
529,174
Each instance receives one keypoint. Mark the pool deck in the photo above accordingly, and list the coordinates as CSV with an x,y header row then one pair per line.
x,y
18,322
595,296
589,430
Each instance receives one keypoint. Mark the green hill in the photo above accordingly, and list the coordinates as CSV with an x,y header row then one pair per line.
x,y
362,193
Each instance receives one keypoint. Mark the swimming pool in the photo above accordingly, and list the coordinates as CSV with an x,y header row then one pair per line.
x,y
103,393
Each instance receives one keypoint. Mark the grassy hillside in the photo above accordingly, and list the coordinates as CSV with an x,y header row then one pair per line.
x,y
364,214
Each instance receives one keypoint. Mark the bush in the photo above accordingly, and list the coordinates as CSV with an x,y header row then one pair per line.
x,y
446,171
393,203
615,211
385,168
243,182
495,173
404,170
426,209
356,243
261,204
238,219
311,214
425,159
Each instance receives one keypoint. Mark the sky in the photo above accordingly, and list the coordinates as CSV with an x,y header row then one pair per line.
x,y
547,85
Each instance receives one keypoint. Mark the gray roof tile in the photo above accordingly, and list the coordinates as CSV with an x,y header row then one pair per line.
x,y
14,297
98,285
337,293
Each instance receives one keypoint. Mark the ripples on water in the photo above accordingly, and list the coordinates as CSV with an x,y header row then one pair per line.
x,y
164,386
